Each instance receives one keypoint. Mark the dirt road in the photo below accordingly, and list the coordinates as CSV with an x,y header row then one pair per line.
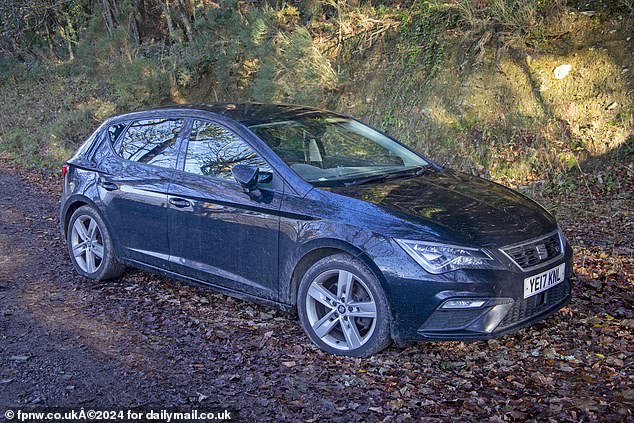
x,y
145,341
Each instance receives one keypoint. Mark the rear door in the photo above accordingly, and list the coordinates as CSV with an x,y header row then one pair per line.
x,y
218,233
134,191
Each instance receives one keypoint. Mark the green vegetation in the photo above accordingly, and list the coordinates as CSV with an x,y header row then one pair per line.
x,y
469,82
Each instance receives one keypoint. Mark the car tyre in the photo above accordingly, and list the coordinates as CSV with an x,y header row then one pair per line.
x,y
343,308
90,246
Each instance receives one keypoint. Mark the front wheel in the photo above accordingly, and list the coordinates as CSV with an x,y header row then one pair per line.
x,y
90,246
342,307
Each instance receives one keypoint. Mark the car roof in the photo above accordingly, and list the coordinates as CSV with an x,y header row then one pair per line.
x,y
250,114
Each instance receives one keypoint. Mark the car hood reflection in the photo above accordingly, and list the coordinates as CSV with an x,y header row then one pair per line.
x,y
482,211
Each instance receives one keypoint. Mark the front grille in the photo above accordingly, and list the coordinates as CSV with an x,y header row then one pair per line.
x,y
528,307
535,252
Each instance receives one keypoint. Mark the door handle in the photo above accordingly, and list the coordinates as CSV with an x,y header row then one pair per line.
x,y
180,202
108,186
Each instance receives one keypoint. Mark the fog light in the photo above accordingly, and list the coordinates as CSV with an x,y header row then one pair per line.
x,y
463,304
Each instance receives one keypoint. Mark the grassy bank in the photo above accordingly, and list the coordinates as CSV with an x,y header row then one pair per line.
x,y
472,84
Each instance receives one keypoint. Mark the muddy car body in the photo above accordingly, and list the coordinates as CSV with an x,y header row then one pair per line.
x,y
304,209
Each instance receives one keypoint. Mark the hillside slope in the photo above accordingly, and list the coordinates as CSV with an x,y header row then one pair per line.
x,y
472,84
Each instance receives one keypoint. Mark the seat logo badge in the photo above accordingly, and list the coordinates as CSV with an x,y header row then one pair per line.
x,y
541,251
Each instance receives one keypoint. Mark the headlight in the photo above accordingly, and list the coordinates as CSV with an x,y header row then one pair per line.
x,y
439,258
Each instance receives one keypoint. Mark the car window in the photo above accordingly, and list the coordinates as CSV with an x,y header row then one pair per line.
x,y
115,130
331,150
151,141
352,147
213,151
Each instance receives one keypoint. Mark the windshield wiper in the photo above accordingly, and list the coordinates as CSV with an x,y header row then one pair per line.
x,y
367,180
422,169
408,173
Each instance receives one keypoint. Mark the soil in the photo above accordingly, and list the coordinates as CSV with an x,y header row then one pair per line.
x,y
143,341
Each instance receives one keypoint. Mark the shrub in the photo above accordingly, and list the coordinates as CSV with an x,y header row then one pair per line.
x,y
259,54
515,17
71,128
13,70
24,146
295,71
139,84
14,140
420,41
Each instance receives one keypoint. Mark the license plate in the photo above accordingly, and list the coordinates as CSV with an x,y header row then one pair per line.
x,y
542,281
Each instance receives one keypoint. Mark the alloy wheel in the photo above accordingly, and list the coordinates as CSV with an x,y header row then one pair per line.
x,y
341,309
87,244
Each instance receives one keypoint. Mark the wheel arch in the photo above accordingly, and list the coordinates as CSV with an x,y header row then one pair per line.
x,y
72,204
327,247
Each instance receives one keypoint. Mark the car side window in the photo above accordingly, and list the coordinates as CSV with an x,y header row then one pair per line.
x,y
115,130
213,151
150,141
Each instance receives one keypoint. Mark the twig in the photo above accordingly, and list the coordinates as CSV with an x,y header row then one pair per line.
x,y
583,176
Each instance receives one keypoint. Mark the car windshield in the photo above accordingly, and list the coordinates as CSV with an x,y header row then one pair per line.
x,y
330,150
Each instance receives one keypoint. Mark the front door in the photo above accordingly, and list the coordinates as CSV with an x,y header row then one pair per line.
x,y
218,233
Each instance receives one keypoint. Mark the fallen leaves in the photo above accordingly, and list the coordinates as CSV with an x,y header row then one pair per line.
x,y
196,346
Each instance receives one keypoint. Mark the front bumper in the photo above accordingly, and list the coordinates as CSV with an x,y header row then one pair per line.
x,y
502,316
417,313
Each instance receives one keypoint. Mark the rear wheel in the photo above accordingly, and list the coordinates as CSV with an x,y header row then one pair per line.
x,y
342,307
90,246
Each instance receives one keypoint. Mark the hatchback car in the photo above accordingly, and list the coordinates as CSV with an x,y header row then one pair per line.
x,y
313,211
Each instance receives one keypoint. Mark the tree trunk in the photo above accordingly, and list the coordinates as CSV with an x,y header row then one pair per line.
x,y
109,16
134,30
70,37
133,27
168,19
49,39
184,16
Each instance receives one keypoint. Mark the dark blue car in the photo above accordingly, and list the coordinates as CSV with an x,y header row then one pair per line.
x,y
313,211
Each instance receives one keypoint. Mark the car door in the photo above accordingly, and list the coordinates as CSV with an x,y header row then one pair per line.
x,y
134,190
217,232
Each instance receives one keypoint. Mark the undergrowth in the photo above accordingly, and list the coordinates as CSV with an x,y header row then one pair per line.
x,y
467,82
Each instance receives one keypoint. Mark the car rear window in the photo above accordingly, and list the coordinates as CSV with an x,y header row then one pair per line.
x,y
115,130
150,141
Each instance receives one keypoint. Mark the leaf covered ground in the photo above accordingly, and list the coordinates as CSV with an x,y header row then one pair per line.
x,y
143,340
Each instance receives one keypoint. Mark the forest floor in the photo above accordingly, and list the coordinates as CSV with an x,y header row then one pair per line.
x,y
144,341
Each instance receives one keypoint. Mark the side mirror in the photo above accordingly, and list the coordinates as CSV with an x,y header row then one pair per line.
x,y
265,177
247,176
